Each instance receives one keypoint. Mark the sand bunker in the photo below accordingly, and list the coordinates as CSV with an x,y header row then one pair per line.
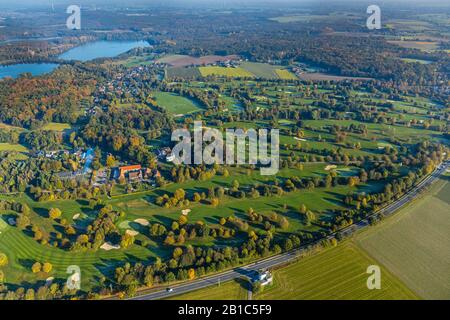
x,y
75,217
142,222
300,139
330,167
108,246
132,232
185,212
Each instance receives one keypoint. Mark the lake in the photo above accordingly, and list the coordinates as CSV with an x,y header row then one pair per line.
x,y
86,52
35,69
101,49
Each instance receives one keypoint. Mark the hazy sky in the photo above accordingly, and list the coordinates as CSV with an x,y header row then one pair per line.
x,y
234,3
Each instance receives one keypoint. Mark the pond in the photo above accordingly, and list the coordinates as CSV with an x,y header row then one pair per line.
x,y
101,49
86,52
35,69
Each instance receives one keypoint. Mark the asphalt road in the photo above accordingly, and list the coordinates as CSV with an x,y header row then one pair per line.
x,y
284,258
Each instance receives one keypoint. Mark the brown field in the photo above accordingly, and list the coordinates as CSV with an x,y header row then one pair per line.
x,y
420,45
185,61
327,77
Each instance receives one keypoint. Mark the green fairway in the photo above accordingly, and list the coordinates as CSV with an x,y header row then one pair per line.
x,y
337,273
225,72
176,104
3,225
23,251
320,200
414,244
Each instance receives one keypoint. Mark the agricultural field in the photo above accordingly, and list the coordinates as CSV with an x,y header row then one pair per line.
x,y
413,245
336,273
182,72
7,127
420,45
416,61
245,69
300,18
225,72
410,25
185,61
333,274
285,74
53,126
13,147
136,61
260,70
233,290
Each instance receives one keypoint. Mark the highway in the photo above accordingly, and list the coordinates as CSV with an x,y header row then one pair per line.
x,y
287,257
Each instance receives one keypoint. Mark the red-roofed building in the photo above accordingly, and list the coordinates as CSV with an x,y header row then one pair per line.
x,y
127,169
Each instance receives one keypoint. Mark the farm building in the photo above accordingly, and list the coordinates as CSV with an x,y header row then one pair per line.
x,y
121,172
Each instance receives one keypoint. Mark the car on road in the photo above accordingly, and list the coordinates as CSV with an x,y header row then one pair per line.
x,y
169,290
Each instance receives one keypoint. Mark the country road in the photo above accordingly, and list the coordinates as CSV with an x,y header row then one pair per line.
x,y
287,257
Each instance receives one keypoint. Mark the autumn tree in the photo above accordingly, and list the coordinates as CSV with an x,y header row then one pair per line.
x,y
3,259
127,240
54,213
22,221
182,220
47,267
36,267
191,274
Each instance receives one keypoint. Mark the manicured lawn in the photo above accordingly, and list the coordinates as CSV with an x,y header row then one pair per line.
x,y
321,201
336,273
23,251
3,225
414,244
176,104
